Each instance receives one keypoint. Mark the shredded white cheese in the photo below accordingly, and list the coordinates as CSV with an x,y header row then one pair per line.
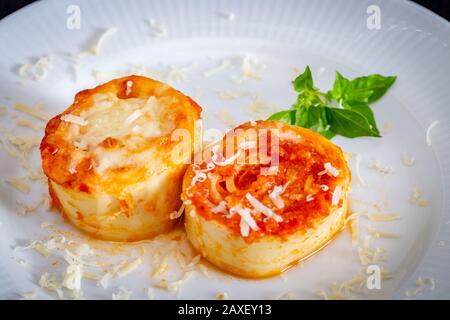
x,y
98,45
162,268
28,124
262,208
388,127
134,116
74,119
368,255
354,228
174,286
250,66
37,71
381,234
20,183
260,109
337,193
176,75
194,262
122,294
129,267
220,208
222,296
247,222
222,66
72,170
329,169
417,198
176,214
104,280
35,111
49,282
383,217
129,87
407,160
309,198
28,295
226,118
428,132
421,285
25,209
358,170
230,95
381,169
288,295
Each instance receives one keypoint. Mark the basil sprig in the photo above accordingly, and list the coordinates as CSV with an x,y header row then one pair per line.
x,y
344,110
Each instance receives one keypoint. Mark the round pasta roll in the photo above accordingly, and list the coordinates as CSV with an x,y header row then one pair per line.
x,y
265,197
111,158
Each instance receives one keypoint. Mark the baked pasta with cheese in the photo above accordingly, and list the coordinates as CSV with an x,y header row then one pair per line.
x,y
110,162
278,196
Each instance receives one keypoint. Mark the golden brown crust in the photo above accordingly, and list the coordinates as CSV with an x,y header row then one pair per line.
x,y
132,198
57,152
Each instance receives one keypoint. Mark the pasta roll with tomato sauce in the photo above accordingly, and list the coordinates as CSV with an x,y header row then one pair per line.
x,y
109,158
265,197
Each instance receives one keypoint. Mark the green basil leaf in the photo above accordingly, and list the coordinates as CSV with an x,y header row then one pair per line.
x,y
349,123
308,94
365,111
309,99
304,82
368,89
320,112
339,87
287,116
314,118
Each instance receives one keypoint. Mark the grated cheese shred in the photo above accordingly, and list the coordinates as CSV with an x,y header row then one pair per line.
x,y
37,71
428,132
20,183
381,169
259,206
379,217
329,169
176,214
73,119
35,111
417,199
407,160
98,45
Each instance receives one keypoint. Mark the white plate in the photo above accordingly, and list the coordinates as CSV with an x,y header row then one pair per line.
x,y
327,35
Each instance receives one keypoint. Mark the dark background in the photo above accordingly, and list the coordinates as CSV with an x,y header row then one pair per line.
x,y
441,7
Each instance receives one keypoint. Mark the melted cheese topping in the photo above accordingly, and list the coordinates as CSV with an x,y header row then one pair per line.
x,y
128,122
117,135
